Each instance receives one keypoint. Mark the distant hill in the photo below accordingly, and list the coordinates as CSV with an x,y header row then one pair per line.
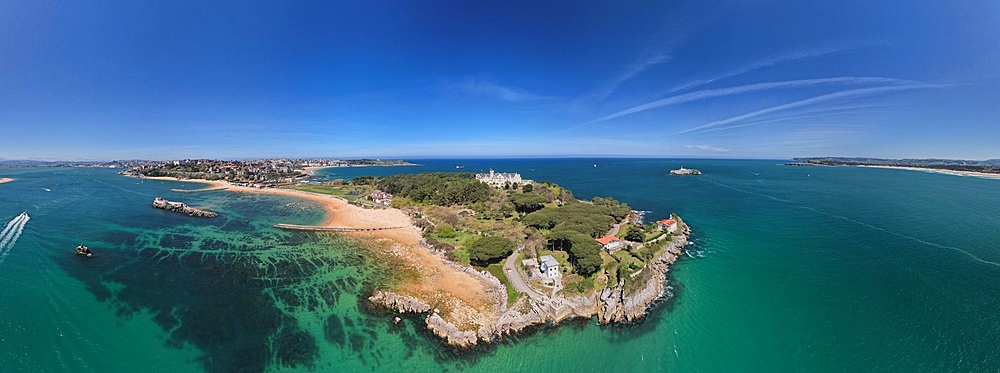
x,y
34,163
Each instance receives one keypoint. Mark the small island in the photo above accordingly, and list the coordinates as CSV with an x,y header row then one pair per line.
x,y
685,171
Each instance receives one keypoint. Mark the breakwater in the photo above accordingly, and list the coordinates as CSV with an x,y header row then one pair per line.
x,y
161,203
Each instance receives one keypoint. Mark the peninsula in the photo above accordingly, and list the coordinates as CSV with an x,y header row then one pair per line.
x,y
517,253
988,168
481,258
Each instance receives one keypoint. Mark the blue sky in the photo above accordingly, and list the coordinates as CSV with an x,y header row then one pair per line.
x,y
736,79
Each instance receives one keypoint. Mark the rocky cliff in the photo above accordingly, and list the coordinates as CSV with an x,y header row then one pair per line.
x,y
618,307
400,303
182,208
612,305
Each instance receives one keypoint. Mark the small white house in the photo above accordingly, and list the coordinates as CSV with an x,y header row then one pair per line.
x,y
549,266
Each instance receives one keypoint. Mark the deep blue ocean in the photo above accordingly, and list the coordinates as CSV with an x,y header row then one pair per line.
x,y
792,269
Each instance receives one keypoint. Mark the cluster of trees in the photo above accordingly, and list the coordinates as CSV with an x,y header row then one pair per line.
x,y
364,180
442,188
490,249
588,219
635,234
569,227
527,203
584,252
574,227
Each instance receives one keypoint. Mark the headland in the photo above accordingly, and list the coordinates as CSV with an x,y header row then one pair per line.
x,y
989,169
480,261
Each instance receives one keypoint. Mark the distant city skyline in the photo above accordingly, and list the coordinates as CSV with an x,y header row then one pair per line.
x,y
768,79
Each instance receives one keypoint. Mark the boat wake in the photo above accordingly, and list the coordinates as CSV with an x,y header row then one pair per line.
x,y
861,223
10,234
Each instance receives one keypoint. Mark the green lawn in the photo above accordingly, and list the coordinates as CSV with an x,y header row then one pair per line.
x,y
624,257
608,259
462,256
497,270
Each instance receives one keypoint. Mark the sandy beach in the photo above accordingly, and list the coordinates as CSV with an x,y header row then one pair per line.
x,y
339,212
309,170
939,171
5,180
461,298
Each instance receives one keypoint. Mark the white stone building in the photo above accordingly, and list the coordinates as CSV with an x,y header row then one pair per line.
x,y
498,179
549,266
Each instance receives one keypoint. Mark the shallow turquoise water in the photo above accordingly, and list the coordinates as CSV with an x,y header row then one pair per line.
x,y
794,269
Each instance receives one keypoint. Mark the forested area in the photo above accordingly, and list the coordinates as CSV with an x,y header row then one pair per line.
x,y
544,211
441,188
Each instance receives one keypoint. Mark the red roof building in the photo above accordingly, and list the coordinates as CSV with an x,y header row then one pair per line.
x,y
669,224
610,242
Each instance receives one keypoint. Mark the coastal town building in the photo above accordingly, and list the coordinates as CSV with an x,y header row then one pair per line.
x,y
610,243
549,267
667,224
380,197
499,179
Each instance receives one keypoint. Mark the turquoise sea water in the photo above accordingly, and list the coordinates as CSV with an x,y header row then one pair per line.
x,y
793,269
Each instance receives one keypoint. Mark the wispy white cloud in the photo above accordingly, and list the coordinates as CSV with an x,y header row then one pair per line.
x,y
716,125
731,91
489,88
768,62
707,147
657,51
839,111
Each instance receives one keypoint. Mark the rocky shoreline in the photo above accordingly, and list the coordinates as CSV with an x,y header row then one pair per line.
x,y
611,306
161,203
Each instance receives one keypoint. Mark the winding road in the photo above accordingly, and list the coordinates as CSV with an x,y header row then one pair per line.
x,y
510,268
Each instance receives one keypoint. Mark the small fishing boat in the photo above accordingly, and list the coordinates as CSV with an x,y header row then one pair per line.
x,y
83,250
